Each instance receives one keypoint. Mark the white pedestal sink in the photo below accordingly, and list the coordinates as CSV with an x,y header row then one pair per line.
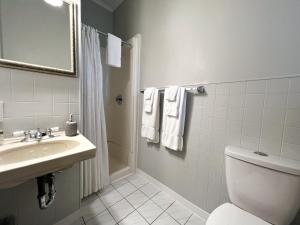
x,y
21,161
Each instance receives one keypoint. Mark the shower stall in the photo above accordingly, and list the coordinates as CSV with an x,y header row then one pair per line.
x,y
121,86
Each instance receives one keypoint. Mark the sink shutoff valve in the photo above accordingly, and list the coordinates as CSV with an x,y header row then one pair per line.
x,y
48,179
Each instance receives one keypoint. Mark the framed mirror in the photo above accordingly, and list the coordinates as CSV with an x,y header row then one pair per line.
x,y
39,35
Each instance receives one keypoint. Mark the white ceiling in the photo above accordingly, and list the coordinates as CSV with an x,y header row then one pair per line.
x,y
110,5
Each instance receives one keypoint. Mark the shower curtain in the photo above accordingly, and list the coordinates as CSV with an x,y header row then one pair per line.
x,y
94,172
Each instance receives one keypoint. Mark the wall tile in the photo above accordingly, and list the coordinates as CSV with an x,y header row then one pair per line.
x,y
292,135
256,87
278,85
274,116
74,108
43,88
294,100
237,88
254,101
276,100
291,151
19,109
14,124
22,86
292,117
5,85
61,109
294,85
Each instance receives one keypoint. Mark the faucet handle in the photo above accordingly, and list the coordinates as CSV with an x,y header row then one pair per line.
x,y
50,130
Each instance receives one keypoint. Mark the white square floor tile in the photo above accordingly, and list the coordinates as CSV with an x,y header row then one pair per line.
x,y
91,207
106,190
195,220
102,219
165,219
137,199
179,212
110,197
126,189
150,190
163,200
134,219
120,210
137,180
150,211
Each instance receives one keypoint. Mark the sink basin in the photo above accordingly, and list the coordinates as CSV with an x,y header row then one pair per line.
x,y
20,161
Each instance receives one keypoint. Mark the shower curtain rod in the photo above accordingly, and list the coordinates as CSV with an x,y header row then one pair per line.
x,y
106,35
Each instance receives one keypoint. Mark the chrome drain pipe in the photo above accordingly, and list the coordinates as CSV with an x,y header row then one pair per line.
x,y
49,179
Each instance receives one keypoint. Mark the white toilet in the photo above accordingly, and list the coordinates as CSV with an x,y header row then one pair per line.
x,y
263,190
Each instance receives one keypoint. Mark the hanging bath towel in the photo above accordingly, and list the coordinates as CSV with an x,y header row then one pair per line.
x,y
114,51
173,126
150,115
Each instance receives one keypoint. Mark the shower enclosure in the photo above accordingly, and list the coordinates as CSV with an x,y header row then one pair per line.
x,y
121,87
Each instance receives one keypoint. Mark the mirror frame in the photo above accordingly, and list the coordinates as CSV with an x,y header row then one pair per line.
x,y
52,70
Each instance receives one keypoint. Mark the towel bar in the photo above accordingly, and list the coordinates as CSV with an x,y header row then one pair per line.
x,y
195,90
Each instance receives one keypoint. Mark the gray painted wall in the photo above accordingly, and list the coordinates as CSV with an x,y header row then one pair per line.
x,y
197,41
98,17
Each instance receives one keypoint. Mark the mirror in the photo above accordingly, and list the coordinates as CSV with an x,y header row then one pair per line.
x,y
38,35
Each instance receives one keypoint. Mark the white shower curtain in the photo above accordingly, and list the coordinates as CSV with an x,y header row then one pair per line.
x,y
94,172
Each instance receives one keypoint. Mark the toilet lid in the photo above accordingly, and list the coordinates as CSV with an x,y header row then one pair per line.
x,y
229,214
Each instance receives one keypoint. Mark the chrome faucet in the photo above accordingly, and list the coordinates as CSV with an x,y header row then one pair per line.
x,y
38,134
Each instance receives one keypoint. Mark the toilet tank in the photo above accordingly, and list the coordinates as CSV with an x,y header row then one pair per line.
x,y
266,186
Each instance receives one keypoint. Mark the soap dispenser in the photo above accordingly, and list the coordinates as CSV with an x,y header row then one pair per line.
x,y
71,127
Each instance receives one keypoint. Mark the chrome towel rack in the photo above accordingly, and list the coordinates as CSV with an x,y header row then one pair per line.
x,y
197,90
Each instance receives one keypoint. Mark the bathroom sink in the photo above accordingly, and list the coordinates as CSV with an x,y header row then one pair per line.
x,y
21,161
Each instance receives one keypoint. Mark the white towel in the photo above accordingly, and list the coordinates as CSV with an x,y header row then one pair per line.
x,y
114,48
150,121
148,99
172,103
173,127
171,93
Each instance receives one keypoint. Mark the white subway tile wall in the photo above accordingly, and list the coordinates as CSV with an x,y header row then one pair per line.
x,y
256,115
33,100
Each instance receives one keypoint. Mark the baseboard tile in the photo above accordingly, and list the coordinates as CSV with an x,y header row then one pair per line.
x,y
202,213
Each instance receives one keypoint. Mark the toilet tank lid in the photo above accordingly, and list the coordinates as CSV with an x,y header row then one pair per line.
x,y
272,162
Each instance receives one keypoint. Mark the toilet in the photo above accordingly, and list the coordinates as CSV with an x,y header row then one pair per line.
x,y
263,189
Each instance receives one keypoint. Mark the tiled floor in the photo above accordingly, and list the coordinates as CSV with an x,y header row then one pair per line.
x,y
134,201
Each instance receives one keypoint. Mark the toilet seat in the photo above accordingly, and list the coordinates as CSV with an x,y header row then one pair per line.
x,y
229,214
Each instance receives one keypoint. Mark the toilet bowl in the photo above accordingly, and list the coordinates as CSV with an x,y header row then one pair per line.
x,y
229,214
263,189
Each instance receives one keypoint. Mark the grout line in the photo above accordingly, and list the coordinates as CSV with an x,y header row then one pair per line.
x,y
188,219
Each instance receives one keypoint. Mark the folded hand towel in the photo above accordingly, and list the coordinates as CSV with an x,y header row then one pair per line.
x,y
173,127
114,48
148,99
171,105
150,121
171,93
